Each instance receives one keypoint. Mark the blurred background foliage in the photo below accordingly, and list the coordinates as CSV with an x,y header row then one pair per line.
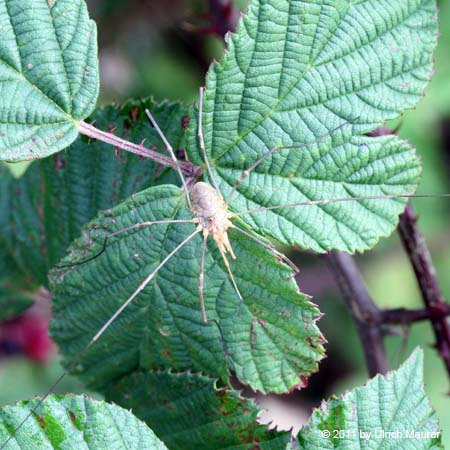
x,y
163,48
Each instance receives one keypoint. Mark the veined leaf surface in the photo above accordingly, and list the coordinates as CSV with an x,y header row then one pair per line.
x,y
48,75
269,340
323,73
43,211
395,403
76,423
223,419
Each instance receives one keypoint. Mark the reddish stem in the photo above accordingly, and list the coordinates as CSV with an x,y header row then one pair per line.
x,y
433,299
94,133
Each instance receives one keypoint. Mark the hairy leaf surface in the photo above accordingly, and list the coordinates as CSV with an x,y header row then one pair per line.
x,y
48,75
270,339
44,210
394,403
74,422
318,74
223,419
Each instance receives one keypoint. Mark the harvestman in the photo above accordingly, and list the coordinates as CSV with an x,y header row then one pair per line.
x,y
212,218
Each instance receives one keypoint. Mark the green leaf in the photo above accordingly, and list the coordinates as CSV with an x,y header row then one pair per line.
x,y
13,302
269,340
222,419
48,75
394,403
75,422
44,210
325,72
22,235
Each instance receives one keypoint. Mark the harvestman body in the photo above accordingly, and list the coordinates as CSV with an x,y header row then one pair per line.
x,y
213,219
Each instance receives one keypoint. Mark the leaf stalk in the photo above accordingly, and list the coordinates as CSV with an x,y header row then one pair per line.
x,y
90,131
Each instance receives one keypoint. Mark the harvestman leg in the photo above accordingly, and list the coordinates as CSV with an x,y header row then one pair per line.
x,y
202,141
201,279
273,150
140,288
124,230
269,247
172,154
339,200
100,332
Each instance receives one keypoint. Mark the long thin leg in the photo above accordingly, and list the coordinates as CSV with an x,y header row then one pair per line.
x,y
201,279
273,150
139,289
202,141
269,247
99,334
124,230
233,281
338,200
172,154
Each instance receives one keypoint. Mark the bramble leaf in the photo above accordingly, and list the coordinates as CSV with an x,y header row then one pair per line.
x,y
223,419
395,403
74,422
42,212
13,302
48,75
318,74
269,339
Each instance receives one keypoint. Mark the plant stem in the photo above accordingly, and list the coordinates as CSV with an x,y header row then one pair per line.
x,y
364,311
402,316
89,130
433,299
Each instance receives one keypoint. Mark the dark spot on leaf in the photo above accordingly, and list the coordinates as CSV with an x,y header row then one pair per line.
x,y
72,416
40,419
303,383
134,114
185,122
59,162
168,405
119,155
167,353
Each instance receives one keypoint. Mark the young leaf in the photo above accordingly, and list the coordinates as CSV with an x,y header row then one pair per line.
x,y
44,210
222,419
269,339
49,75
395,403
74,422
298,72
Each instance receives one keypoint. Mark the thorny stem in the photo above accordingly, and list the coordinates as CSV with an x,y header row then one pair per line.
x,y
187,168
420,258
363,309
403,316
371,321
